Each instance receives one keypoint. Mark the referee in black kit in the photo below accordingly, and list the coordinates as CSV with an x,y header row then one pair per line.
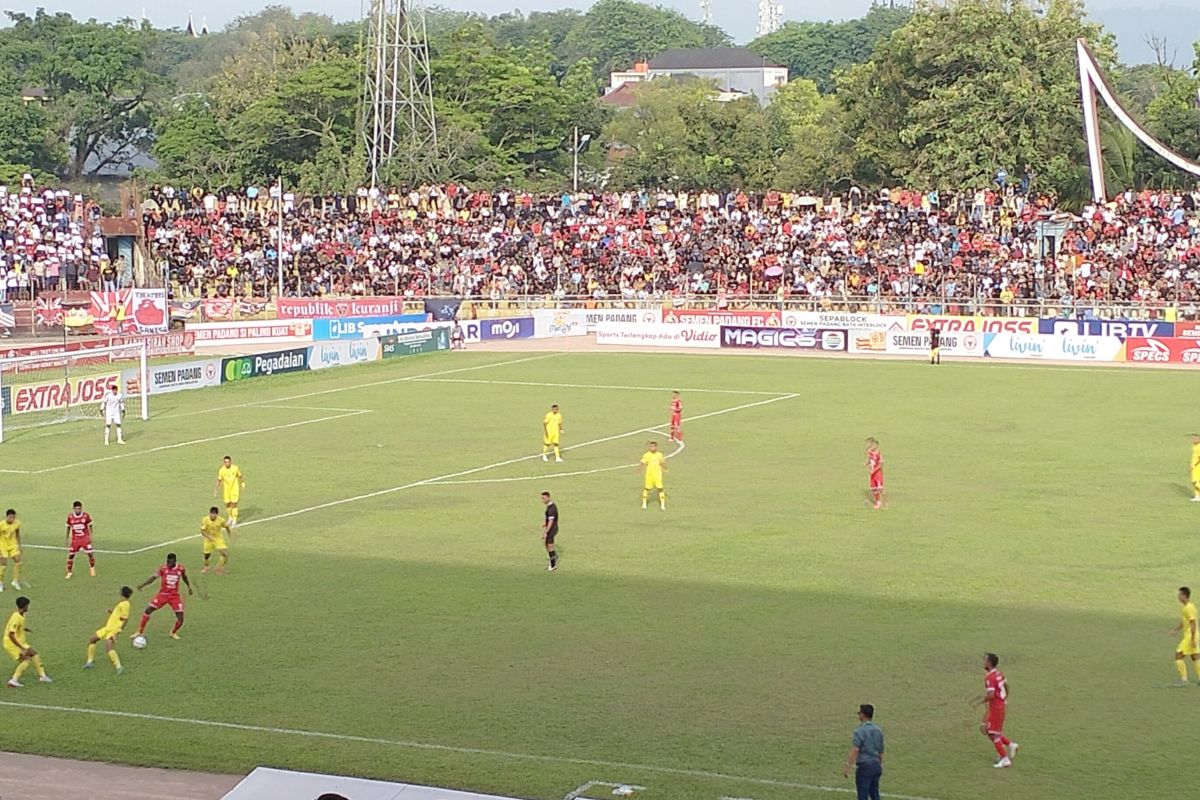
x,y
550,529
935,345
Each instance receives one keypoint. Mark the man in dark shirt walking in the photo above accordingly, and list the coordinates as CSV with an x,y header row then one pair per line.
x,y
550,529
935,346
866,754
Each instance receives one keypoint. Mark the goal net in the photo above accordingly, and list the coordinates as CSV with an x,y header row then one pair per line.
x,y
65,386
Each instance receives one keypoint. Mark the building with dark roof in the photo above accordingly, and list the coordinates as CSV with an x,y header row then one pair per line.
x,y
735,70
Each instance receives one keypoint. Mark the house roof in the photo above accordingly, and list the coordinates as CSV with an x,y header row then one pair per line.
x,y
622,96
33,91
709,58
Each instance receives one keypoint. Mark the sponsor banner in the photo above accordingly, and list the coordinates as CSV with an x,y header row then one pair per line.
x,y
949,324
327,308
340,354
1054,348
506,328
210,334
332,330
1187,330
442,309
177,343
828,319
59,394
704,316
868,341
174,377
264,364
1142,350
407,344
622,316
950,343
1107,327
472,330
658,334
557,322
825,339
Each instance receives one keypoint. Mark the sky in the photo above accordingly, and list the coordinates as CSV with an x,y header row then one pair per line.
x,y
1131,20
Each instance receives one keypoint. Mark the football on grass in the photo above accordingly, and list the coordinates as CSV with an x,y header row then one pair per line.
x,y
139,642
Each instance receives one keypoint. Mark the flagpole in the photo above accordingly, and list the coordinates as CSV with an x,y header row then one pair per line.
x,y
279,244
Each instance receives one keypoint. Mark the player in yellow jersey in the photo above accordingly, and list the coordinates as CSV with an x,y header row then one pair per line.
x,y
1196,467
18,649
213,528
10,547
654,464
552,430
230,481
118,615
1189,645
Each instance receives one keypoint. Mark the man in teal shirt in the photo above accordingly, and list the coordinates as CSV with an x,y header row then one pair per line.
x,y
866,754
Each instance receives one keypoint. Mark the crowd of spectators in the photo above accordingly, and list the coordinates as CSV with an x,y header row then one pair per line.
x,y
896,247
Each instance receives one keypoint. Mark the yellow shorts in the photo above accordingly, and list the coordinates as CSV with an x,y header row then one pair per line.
x,y
107,633
551,440
654,482
10,550
12,651
231,495
1187,648
212,545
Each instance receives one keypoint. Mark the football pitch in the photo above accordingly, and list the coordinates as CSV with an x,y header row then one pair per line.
x,y
388,612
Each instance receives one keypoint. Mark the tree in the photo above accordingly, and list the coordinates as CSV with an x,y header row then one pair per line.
x,y
971,87
817,50
101,79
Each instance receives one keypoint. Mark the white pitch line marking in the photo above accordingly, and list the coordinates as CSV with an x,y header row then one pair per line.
x,y
579,791
601,386
314,408
190,442
449,477
443,748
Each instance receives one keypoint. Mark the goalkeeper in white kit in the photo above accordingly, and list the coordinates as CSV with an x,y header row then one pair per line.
x,y
113,406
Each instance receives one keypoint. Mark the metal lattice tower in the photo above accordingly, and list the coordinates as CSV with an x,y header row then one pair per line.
x,y
706,12
770,17
398,118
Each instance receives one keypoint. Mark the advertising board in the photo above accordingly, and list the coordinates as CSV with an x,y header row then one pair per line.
x,y
1054,348
176,343
1143,350
658,334
706,316
341,354
622,316
1187,329
339,329
552,323
821,339
506,328
829,319
1107,327
242,368
951,343
330,308
949,324
407,344
59,394
211,334
174,377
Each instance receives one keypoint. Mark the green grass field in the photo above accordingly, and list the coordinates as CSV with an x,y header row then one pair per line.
x,y
388,580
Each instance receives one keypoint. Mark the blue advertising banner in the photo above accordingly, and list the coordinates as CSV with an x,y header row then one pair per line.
x,y
1107,327
826,339
333,330
242,367
511,328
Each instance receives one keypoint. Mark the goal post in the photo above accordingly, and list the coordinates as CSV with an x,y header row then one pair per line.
x,y
62,387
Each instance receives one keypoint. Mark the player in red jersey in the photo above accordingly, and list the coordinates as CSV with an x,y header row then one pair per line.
x,y
79,537
875,467
169,575
995,697
676,418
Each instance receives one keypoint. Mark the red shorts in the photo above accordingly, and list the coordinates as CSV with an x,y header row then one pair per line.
x,y
676,420
876,480
80,544
175,601
995,719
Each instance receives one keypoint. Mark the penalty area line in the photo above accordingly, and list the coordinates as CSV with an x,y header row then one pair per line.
x,y
747,392
443,748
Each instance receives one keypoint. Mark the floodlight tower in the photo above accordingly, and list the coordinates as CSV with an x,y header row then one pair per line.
x,y
398,118
706,12
770,17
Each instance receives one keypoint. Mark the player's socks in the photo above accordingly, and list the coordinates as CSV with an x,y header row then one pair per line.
x,y
37,665
91,653
20,670
1181,668
142,625
175,629
233,515
3,569
1001,750
553,558
16,573
557,453
115,659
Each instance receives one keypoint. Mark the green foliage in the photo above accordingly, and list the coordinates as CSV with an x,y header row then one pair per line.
x,y
618,33
818,50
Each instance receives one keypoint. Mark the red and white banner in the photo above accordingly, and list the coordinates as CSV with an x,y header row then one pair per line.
x,y
659,335
949,324
332,308
209,334
130,311
1140,350
1187,330
176,343
48,312
706,316
61,394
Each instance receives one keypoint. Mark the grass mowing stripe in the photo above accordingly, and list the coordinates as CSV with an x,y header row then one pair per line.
x,y
447,748
599,386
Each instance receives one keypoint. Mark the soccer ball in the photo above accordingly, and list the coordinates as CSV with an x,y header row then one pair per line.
x,y
139,642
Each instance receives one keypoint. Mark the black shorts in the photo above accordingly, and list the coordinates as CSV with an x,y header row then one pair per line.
x,y
549,535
